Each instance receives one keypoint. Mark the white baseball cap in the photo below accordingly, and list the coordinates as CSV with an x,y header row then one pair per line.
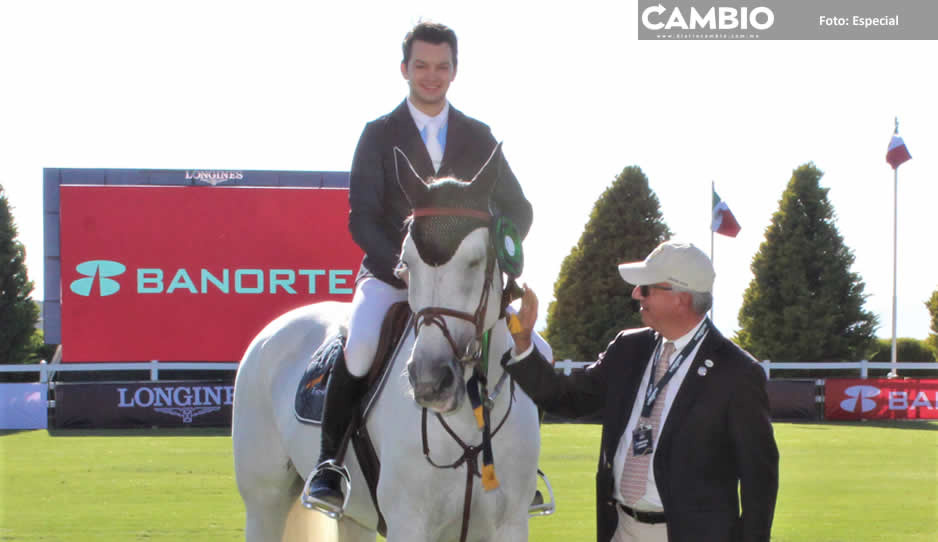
x,y
674,262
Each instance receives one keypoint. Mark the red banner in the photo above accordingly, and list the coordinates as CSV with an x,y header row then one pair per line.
x,y
192,273
880,399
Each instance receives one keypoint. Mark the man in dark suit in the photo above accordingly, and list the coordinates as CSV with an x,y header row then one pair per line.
x,y
440,142
688,451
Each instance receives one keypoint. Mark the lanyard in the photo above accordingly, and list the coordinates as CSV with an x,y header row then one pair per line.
x,y
651,393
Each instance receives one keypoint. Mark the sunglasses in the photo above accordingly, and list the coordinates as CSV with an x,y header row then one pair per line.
x,y
644,289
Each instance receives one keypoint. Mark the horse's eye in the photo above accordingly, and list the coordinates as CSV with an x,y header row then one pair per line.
x,y
476,263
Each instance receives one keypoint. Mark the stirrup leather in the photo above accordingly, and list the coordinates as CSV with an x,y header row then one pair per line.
x,y
310,502
546,508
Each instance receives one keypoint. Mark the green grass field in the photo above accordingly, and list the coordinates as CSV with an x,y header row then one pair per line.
x,y
839,482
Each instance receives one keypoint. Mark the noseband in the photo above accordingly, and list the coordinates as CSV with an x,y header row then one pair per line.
x,y
434,316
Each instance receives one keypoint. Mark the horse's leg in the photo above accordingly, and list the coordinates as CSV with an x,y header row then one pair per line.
x,y
421,517
407,533
513,531
265,476
267,509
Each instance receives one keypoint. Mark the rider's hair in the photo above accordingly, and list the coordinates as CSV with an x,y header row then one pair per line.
x,y
430,32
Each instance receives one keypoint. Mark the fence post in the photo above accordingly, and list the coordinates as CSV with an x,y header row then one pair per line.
x,y
767,367
864,371
567,366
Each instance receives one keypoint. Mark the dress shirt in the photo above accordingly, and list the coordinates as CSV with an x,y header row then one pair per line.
x,y
421,119
651,502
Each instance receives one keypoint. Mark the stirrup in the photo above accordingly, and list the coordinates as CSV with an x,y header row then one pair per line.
x,y
547,508
310,502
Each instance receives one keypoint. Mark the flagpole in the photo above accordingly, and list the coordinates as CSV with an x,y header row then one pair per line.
x,y
713,189
895,227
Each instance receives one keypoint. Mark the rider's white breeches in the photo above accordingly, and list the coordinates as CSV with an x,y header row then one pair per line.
x,y
373,297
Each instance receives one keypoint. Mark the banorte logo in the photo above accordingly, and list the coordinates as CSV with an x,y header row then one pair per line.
x,y
97,281
859,399
98,272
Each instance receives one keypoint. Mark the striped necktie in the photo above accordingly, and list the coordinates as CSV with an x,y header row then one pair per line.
x,y
634,481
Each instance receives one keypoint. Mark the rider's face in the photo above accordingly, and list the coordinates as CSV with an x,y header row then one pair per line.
x,y
429,72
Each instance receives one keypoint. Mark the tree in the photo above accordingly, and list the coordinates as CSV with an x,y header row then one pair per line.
x,y
804,303
907,350
18,313
932,305
37,350
592,301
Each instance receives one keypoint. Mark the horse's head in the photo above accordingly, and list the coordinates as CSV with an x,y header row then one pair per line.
x,y
454,284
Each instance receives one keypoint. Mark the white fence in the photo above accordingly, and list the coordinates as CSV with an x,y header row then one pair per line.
x,y
864,366
46,373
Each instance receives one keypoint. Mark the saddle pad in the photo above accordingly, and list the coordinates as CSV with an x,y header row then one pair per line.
x,y
311,392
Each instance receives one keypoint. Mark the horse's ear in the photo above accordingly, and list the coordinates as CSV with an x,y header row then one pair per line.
x,y
484,181
408,178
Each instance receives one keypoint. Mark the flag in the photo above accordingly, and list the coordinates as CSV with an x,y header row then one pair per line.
x,y
723,221
897,153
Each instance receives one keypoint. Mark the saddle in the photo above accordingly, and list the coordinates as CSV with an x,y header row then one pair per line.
x,y
311,390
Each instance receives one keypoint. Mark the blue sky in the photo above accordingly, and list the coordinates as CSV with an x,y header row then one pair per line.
x,y
571,91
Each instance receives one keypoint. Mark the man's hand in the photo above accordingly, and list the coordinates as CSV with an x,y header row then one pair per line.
x,y
526,319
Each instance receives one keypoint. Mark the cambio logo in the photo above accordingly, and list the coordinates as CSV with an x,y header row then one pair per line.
x,y
98,272
716,18
859,396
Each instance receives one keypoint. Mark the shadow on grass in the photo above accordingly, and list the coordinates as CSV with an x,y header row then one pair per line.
x,y
144,432
920,425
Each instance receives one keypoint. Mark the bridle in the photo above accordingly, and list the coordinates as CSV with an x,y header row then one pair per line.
x,y
434,316
475,354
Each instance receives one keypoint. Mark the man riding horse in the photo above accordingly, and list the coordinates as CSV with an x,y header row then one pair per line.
x,y
440,141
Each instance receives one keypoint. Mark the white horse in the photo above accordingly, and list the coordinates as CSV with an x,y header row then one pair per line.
x,y
454,301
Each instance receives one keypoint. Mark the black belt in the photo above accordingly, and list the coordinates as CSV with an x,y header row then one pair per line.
x,y
643,517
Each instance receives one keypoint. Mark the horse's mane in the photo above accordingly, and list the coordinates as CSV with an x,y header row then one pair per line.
x,y
438,237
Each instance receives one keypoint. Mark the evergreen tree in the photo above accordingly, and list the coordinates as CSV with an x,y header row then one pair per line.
x,y
18,313
593,303
804,303
932,305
